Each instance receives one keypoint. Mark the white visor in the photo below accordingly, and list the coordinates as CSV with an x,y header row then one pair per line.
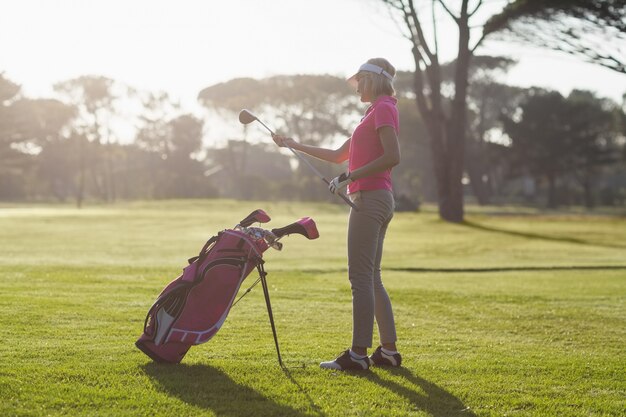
x,y
369,68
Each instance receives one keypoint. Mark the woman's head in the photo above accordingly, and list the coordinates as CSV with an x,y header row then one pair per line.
x,y
374,78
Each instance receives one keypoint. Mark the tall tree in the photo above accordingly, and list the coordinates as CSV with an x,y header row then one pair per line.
x,y
158,110
8,93
95,98
446,124
594,30
184,174
539,139
317,109
265,176
412,178
59,167
553,137
154,137
170,142
594,136
488,100
26,126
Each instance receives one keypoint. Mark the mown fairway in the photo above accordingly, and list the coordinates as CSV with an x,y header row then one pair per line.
x,y
505,315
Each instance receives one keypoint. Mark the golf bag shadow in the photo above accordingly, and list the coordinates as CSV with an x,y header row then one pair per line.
x,y
193,307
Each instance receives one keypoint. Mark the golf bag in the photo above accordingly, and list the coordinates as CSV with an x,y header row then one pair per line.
x,y
193,307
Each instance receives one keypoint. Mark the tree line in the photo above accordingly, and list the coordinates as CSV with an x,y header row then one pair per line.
x,y
528,146
469,133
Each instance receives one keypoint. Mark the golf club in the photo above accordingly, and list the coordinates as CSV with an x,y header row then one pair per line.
x,y
246,117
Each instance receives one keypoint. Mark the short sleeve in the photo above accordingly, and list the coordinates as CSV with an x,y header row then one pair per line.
x,y
385,114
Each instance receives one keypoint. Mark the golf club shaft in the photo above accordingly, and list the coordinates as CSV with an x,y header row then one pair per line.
x,y
265,126
319,174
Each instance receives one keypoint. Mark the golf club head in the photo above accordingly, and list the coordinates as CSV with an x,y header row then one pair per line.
x,y
305,227
245,117
257,216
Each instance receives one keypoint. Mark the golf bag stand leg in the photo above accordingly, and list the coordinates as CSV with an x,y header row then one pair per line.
x,y
263,274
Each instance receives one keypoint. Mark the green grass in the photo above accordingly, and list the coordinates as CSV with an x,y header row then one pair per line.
x,y
517,314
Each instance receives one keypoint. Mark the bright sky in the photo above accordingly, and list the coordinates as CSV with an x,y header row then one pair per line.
x,y
182,46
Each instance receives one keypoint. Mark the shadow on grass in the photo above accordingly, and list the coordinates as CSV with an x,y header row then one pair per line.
x,y
434,400
549,238
315,407
514,268
209,388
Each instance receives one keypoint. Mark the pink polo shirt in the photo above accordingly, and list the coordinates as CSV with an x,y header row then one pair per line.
x,y
365,144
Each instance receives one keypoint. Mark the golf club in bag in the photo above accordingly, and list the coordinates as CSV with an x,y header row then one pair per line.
x,y
193,307
246,117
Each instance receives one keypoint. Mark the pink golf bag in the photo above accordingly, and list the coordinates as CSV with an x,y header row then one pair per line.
x,y
193,307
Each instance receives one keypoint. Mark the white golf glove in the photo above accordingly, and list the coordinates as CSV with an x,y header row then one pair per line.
x,y
339,183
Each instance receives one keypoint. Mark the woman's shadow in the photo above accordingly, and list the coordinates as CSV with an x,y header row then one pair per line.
x,y
434,400
209,388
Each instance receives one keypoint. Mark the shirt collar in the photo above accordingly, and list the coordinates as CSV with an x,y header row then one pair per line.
x,y
380,99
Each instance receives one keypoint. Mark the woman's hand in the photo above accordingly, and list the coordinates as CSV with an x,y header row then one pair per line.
x,y
284,142
339,183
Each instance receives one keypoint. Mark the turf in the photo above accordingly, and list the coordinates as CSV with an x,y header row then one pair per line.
x,y
521,314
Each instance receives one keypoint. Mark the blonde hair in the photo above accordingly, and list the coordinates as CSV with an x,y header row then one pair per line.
x,y
378,83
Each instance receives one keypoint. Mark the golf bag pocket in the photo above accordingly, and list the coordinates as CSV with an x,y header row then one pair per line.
x,y
209,303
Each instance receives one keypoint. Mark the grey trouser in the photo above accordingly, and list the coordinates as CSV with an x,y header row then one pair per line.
x,y
366,233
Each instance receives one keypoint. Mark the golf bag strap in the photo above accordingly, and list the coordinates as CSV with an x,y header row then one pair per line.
x,y
208,243
204,252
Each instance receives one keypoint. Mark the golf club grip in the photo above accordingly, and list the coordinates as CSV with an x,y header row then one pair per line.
x,y
343,196
347,200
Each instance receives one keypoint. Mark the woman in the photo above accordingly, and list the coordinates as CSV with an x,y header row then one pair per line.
x,y
371,151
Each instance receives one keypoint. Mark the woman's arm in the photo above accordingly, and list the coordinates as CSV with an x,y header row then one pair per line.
x,y
336,156
389,158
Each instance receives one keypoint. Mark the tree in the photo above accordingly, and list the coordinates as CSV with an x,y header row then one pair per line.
x,y
594,30
12,162
158,110
594,133
265,176
412,178
554,137
8,92
170,143
317,109
58,166
539,139
95,97
446,123
184,174
26,124
488,101
26,127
